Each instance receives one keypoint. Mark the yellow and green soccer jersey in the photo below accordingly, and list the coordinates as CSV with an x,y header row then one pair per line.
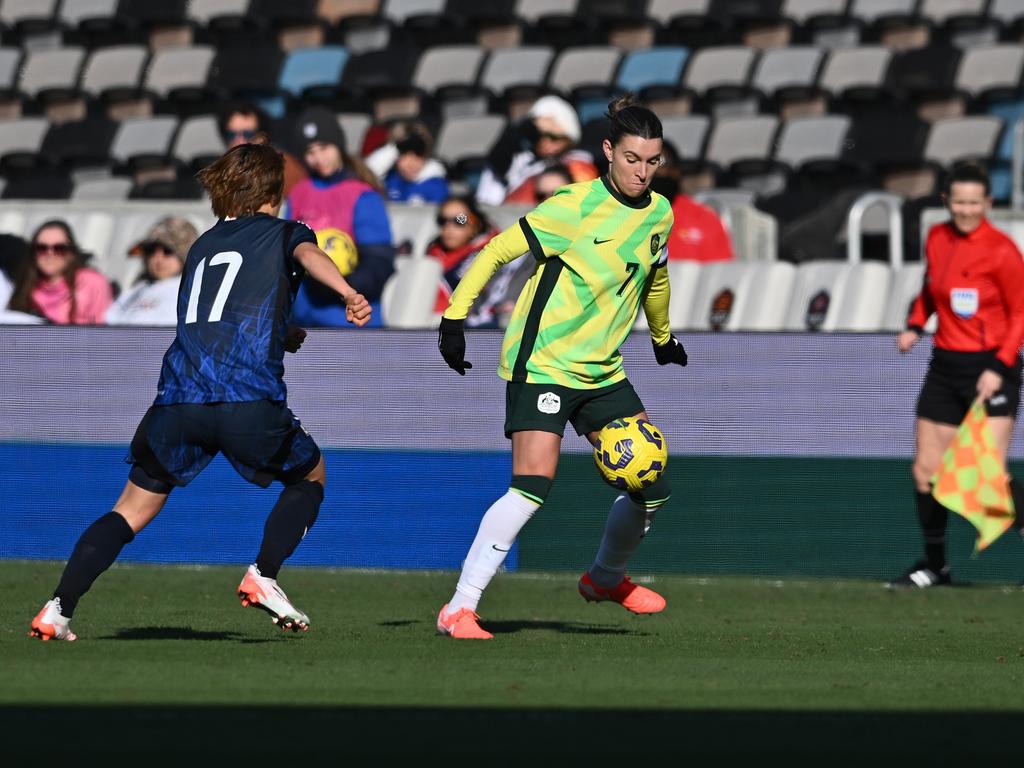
x,y
599,257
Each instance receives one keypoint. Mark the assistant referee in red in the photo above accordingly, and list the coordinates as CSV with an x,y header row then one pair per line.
x,y
974,282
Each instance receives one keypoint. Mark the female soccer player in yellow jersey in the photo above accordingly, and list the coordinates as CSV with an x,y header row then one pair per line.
x,y
600,254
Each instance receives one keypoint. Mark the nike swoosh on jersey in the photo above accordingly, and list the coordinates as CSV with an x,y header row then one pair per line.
x,y
601,242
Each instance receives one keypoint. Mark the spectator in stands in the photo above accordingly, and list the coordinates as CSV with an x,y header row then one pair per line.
x,y
240,121
13,253
974,284
342,203
153,299
698,234
410,173
55,283
549,181
547,137
463,231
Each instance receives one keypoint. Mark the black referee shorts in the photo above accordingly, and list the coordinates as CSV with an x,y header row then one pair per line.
x,y
949,387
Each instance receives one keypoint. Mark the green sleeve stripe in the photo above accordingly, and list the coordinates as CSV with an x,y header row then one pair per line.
x,y
531,239
552,270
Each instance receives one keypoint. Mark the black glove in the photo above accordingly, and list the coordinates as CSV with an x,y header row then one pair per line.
x,y
672,352
451,340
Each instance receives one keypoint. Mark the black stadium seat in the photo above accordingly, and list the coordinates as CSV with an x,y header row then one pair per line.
x,y
38,184
246,72
81,142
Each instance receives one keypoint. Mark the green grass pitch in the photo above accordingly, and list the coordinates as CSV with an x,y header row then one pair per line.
x,y
733,668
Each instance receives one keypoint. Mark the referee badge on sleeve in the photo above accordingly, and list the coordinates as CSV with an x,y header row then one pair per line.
x,y
964,302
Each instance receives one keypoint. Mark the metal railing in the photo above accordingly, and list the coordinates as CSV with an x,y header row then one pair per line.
x,y
855,226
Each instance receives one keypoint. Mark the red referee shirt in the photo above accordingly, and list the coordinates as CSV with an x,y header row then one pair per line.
x,y
975,283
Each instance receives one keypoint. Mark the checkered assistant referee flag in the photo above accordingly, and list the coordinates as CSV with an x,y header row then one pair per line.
x,y
973,481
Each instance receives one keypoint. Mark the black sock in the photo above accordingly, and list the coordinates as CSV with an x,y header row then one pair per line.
x,y
293,515
932,517
96,550
1017,491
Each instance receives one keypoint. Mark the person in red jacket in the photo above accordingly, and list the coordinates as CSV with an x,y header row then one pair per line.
x,y
974,282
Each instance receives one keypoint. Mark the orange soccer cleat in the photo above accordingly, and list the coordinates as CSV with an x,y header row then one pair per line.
x,y
257,591
630,596
462,625
50,624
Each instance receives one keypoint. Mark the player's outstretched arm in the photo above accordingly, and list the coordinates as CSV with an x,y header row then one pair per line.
x,y
320,267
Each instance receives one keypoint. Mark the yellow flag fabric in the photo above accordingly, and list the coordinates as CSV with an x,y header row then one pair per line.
x,y
973,481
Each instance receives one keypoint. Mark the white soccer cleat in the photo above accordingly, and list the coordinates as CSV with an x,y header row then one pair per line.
x,y
257,591
50,624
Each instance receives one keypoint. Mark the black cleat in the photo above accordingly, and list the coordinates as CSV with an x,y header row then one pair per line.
x,y
922,575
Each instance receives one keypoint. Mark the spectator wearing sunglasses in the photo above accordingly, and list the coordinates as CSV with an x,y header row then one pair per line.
x,y
547,137
240,122
153,298
54,282
463,231
405,163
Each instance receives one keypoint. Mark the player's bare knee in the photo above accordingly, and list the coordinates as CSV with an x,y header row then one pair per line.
x,y
318,474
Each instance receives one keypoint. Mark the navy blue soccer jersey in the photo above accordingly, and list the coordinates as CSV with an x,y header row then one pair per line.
x,y
234,306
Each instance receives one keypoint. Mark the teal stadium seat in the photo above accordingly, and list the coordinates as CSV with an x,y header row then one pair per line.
x,y
652,67
308,70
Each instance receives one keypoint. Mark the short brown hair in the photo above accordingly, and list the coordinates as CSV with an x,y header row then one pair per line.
x,y
244,179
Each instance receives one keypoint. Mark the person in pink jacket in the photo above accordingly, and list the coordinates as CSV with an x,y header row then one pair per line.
x,y
56,285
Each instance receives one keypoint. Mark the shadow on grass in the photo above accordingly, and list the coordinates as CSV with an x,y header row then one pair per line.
x,y
565,627
181,633
716,737
510,627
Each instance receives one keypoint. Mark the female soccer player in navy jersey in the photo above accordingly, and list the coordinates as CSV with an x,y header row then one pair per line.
x,y
222,388
975,284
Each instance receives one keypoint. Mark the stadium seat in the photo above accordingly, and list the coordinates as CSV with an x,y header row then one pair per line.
x,y
468,137
371,78
248,73
652,68
38,184
805,139
51,74
839,296
990,72
722,74
517,76
585,66
734,139
108,189
80,143
906,285
202,12
144,142
179,75
788,75
309,72
355,125
113,76
445,66
21,141
29,20
684,277
399,10
689,23
849,70
923,78
742,296
412,228
563,29
1009,111
410,293
688,134
963,138
198,142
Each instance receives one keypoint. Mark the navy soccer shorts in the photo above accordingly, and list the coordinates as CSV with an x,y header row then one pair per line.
x,y
262,439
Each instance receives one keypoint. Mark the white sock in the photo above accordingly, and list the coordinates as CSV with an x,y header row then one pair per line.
x,y
498,530
626,526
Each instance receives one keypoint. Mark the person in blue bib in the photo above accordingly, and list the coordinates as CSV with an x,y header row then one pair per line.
x,y
221,387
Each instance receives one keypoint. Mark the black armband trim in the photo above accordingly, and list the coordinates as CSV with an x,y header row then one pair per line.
x,y
531,239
